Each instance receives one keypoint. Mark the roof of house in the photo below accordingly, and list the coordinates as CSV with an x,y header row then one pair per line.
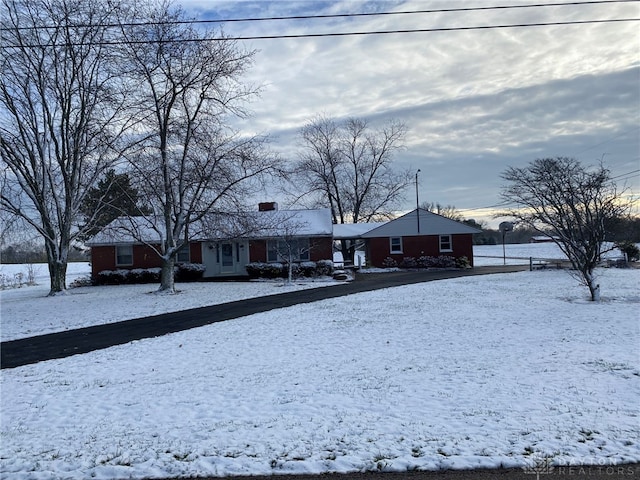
x,y
419,222
299,223
269,224
126,230
281,223
343,231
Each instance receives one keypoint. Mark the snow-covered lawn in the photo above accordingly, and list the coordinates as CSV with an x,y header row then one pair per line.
x,y
109,304
85,306
479,371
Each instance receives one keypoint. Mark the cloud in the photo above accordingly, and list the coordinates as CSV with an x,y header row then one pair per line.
x,y
474,101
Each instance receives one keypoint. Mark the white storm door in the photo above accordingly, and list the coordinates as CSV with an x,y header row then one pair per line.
x,y
227,264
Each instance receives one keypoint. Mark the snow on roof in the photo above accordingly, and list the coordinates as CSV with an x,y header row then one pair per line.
x,y
430,224
343,231
269,224
303,223
125,230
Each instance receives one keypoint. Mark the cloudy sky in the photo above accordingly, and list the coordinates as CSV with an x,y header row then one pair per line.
x,y
475,101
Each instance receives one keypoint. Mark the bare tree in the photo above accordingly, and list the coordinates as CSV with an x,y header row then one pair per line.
x,y
348,167
448,211
189,163
59,116
571,203
290,247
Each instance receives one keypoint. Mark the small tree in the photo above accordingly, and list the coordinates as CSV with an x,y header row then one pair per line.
x,y
290,247
571,203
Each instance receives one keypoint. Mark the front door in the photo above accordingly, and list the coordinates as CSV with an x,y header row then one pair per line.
x,y
227,257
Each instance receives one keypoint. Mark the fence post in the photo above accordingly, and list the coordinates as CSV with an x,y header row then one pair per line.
x,y
531,264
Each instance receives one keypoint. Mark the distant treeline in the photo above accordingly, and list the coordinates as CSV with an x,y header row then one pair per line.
x,y
618,230
29,253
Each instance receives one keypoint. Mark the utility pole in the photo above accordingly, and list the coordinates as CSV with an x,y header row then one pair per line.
x,y
417,202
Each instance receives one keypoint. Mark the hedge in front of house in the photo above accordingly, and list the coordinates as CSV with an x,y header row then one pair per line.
x,y
183,272
442,261
321,268
189,272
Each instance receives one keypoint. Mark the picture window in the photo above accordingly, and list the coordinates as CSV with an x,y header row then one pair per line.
x,y
124,255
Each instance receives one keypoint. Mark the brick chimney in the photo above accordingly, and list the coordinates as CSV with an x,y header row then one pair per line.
x,y
267,206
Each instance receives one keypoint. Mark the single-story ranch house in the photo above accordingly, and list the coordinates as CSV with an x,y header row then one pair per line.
x,y
306,235
419,233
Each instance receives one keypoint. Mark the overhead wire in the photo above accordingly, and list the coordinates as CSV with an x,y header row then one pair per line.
x,y
334,15
4,45
319,35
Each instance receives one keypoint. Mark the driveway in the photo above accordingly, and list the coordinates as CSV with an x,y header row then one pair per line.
x,y
16,353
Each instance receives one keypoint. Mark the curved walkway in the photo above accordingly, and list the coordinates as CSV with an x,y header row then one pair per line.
x,y
24,351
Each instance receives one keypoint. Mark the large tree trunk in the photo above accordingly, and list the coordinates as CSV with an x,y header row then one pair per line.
x,y
58,277
167,284
57,263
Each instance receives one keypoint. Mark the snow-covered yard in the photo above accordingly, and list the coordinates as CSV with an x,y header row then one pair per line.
x,y
85,306
480,371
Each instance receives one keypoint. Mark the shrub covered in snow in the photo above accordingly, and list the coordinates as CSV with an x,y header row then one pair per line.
x,y
307,269
189,272
265,270
389,263
112,277
280,270
184,272
442,261
408,262
84,281
463,262
324,268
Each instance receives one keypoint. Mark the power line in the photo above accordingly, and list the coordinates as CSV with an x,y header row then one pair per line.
x,y
320,35
633,173
439,29
328,16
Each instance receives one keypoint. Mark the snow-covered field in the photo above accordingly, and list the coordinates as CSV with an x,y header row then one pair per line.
x,y
481,371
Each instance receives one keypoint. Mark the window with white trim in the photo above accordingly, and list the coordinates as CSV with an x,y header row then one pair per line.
x,y
445,243
278,250
183,255
124,255
395,244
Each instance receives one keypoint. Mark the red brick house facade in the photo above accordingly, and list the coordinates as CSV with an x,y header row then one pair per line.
x,y
419,233
310,232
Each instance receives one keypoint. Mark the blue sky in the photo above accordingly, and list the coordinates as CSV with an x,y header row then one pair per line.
x,y
474,101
